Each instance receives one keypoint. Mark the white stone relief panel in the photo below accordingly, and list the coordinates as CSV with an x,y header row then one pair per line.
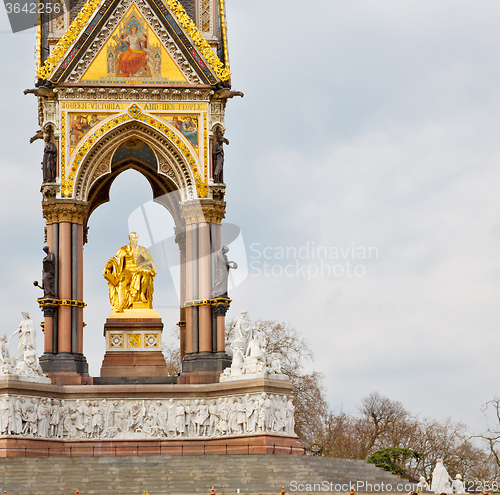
x,y
45,417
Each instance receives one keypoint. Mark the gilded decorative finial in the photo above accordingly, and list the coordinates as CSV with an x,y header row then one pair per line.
x,y
282,492
213,491
77,491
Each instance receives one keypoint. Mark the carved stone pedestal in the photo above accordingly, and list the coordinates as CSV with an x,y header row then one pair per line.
x,y
203,367
133,348
242,417
66,368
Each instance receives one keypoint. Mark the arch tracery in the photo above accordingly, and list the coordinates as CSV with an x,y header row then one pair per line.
x,y
172,163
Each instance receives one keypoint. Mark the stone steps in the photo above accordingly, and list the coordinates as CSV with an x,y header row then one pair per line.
x,y
182,475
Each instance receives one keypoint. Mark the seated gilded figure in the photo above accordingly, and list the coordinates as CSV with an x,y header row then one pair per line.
x,y
130,274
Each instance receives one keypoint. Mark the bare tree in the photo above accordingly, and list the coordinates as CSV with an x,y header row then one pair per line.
x,y
311,408
491,437
172,353
380,414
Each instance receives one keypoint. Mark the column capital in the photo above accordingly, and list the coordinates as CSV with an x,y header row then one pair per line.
x,y
57,211
180,238
203,211
220,309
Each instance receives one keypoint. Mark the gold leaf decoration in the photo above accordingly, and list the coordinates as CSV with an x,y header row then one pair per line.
x,y
67,40
175,6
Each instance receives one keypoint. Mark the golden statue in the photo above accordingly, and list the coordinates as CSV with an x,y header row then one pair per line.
x,y
130,274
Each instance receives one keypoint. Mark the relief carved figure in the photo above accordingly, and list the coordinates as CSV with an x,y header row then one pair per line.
x,y
132,419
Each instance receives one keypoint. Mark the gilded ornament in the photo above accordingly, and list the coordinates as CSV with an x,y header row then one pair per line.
x,y
134,111
201,182
224,35
88,9
134,340
67,40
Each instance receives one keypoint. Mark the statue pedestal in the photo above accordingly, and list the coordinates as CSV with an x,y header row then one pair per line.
x,y
133,346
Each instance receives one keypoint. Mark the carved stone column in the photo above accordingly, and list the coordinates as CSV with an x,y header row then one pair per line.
x,y
203,361
180,239
63,359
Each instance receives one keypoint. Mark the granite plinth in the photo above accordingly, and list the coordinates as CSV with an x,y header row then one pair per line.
x,y
66,368
127,419
250,444
251,376
203,367
133,346
28,379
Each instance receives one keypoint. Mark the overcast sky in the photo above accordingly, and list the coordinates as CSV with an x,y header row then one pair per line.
x,y
365,124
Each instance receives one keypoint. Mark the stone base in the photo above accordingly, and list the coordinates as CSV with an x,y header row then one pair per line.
x,y
203,367
134,380
248,444
66,368
29,379
134,364
251,376
124,435
133,347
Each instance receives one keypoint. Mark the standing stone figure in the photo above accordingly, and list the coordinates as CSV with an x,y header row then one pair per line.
x,y
423,485
27,336
218,161
222,267
440,479
242,330
458,485
7,362
130,274
48,274
49,163
180,419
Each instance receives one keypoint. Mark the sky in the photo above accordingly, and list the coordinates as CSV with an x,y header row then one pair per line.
x,y
369,132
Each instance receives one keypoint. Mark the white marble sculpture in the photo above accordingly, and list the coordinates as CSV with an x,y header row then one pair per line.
x,y
250,359
45,417
458,485
441,481
27,366
7,362
422,485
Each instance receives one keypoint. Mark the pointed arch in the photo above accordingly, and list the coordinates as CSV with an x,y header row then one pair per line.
x,y
172,173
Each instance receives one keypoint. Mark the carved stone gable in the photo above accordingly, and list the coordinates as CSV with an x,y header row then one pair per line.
x,y
134,42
